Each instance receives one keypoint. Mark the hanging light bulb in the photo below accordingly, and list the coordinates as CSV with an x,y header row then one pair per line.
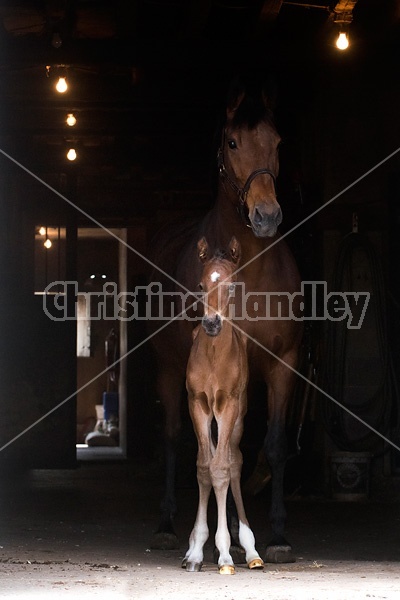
x,y
343,18
342,42
70,120
61,85
47,244
42,230
71,154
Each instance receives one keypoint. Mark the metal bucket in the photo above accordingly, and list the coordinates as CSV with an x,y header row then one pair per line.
x,y
350,475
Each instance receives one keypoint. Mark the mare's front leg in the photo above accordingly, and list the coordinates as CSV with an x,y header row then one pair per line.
x,y
170,385
280,390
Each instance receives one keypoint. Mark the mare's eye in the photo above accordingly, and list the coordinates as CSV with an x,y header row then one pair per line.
x,y
232,144
231,288
201,287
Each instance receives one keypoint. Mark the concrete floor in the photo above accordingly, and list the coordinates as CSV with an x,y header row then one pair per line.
x,y
87,532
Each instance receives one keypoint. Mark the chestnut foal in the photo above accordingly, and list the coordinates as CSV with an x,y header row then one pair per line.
x,y
216,381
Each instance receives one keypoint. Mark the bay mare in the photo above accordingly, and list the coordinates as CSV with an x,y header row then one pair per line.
x,y
246,207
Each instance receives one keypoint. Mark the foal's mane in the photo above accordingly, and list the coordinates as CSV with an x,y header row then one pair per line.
x,y
220,255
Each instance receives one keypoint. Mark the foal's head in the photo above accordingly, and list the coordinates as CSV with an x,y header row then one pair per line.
x,y
217,282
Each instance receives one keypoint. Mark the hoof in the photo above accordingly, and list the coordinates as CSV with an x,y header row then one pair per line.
x,y
164,541
279,554
192,567
226,570
256,563
237,553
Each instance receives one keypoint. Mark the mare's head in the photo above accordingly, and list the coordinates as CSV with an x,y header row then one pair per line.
x,y
248,160
217,283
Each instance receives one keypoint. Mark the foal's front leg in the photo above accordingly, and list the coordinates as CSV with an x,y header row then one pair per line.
x,y
220,478
193,560
220,470
246,536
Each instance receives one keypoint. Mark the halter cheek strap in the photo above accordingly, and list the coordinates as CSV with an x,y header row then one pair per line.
x,y
241,191
245,189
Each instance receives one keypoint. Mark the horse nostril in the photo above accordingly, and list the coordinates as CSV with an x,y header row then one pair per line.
x,y
257,217
264,218
212,325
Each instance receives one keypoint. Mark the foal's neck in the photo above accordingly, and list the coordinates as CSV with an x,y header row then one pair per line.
x,y
223,339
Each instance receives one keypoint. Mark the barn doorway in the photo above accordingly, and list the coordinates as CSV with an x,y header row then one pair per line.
x,y
101,344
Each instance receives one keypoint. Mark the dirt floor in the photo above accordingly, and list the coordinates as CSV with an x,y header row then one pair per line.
x,y
87,532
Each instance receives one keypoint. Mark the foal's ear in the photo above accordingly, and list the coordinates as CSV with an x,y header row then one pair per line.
x,y
202,249
235,250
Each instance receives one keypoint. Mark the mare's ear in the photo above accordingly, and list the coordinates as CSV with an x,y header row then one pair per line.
x,y
233,105
235,250
202,249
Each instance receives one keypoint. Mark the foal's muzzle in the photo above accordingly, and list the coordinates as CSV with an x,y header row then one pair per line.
x,y
212,324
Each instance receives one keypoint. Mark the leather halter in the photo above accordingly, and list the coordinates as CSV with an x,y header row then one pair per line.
x,y
241,191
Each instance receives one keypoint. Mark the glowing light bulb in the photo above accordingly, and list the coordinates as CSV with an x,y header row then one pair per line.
x,y
47,244
42,230
70,120
342,41
71,154
61,85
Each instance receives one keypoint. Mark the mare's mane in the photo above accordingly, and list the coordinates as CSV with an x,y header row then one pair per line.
x,y
255,106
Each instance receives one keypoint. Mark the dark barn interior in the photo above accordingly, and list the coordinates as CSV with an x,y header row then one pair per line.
x,y
147,83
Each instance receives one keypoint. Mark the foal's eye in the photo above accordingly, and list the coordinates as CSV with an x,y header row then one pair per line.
x,y
201,287
232,144
231,288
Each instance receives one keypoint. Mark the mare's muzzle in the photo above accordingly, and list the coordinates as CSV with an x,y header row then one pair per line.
x,y
212,324
264,222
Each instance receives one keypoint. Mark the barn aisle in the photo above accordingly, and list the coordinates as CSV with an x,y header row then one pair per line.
x,y
87,532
